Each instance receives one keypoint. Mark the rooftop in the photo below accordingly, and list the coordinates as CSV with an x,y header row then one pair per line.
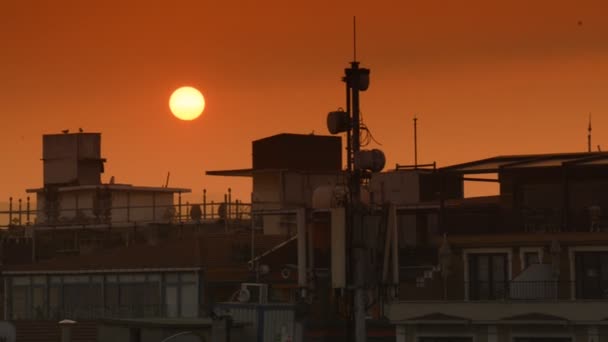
x,y
498,163
115,187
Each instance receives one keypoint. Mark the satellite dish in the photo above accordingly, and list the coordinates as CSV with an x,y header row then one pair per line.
x,y
372,160
244,296
338,121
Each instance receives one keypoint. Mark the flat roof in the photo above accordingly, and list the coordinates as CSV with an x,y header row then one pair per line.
x,y
115,187
231,173
251,172
495,164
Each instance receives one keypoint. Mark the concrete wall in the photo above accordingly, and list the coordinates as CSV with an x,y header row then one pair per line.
x,y
497,310
397,187
72,158
286,190
501,332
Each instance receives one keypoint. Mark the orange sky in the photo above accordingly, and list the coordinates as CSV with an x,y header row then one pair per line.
x,y
484,78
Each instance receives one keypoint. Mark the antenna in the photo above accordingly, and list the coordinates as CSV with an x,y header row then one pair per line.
x,y
354,38
415,142
167,181
589,135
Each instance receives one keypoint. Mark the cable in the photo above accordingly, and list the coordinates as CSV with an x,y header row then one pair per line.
x,y
366,136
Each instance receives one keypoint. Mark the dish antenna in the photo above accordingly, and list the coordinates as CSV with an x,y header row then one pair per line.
x,y
244,296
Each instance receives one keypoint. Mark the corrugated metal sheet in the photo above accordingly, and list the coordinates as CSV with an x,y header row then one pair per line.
x,y
278,325
272,322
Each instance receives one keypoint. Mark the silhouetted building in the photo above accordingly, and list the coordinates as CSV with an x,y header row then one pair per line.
x,y
528,264
287,169
72,159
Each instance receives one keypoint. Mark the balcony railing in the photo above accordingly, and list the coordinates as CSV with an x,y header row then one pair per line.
x,y
97,312
502,290
515,290
493,219
21,215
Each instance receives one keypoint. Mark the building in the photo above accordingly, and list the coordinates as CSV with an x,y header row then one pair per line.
x,y
528,264
74,194
177,278
286,170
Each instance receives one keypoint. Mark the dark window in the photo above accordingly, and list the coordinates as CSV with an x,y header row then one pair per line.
x,y
488,276
592,275
531,258
20,300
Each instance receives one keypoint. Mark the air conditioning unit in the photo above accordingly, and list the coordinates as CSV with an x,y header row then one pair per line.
x,y
253,293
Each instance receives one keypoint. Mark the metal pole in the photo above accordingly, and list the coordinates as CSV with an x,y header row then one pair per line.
x,y
415,142
179,206
356,229
229,204
225,213
20,212
28,211
349,153
10,211
589,135
236,209
204,204
252,234
301,234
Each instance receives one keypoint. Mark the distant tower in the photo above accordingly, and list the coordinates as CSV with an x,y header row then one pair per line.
x,y
589,135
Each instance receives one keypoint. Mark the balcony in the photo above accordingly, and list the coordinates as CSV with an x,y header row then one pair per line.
x,y
503,291
472,216
517,290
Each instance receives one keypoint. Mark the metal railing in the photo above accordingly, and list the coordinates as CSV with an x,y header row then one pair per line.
x,y
517,290
21,214
97,312
503,291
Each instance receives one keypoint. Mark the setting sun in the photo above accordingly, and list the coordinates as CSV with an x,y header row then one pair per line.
x,y
187,103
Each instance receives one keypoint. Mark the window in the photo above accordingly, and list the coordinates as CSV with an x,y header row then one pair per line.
x,y
488,276
592,275
189,301
55,301
171,301
38,302
20,301
531,258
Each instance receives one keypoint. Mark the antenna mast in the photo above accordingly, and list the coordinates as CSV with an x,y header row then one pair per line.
x,y
354,39
415,142
357,80
589,135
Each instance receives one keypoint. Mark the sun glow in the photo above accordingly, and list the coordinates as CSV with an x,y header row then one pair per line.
x,y
187,103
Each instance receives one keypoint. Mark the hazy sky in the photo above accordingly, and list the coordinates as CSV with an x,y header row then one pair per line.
x,y
484,78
